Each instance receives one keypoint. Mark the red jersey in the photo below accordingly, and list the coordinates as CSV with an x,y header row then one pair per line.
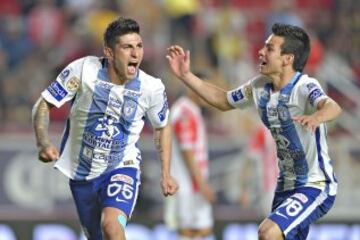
x,y
189,134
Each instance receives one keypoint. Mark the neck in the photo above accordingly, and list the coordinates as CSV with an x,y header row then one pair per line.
x,y
115,78
281,80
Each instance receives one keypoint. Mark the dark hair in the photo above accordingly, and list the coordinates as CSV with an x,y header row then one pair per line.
x,y
119,27
296,41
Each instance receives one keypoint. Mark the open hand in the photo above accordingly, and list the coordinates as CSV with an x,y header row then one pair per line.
x,y
179,60
310,122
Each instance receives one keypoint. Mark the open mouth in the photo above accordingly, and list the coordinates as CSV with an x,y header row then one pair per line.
x,y
263,63
132,67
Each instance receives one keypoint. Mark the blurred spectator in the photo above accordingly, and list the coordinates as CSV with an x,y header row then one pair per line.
x,y
182,17
283,12
157,36
9,7
46,24
97,19
335,69
74,44
79,7
356,66
3,71
22,86
14,40
317,5
15,107
316,56
229,40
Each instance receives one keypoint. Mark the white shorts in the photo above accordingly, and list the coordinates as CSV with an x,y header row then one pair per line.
x,y
188,211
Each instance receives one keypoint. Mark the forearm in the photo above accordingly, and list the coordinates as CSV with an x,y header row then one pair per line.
x,y
40,121
163,143
192,167
327,110
212,94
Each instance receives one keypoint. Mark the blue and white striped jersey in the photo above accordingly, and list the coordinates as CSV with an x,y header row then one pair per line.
x,y
105,119
303,157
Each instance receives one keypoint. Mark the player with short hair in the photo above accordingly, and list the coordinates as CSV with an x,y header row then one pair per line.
x,y
295,109
110,97
189,212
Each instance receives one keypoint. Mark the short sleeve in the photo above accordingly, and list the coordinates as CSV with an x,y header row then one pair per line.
x,y
241,97
312,91
66,85
185,129
158,112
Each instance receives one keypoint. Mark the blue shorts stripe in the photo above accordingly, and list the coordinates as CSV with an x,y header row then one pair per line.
x,y
295,210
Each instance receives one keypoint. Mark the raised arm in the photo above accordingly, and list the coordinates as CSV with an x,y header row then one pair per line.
x,y
179,62
40,120
163,141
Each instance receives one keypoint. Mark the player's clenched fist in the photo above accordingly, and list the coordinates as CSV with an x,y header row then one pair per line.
x,y
48,154
169,186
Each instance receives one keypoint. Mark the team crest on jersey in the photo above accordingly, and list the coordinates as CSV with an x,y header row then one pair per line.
x,y
73,84
129,108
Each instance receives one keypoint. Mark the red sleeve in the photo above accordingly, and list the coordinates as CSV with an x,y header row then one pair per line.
x,y
185,129
257,142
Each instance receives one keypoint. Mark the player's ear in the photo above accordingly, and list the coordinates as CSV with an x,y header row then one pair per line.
x,y
108,53
289,59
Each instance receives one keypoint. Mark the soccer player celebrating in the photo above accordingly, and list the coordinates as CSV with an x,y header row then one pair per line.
x,y
110,97
294,108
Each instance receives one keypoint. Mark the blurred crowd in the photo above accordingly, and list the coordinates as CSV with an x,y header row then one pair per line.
x,y
39,37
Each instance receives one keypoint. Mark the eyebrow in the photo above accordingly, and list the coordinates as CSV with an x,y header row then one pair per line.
x,y
131,44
